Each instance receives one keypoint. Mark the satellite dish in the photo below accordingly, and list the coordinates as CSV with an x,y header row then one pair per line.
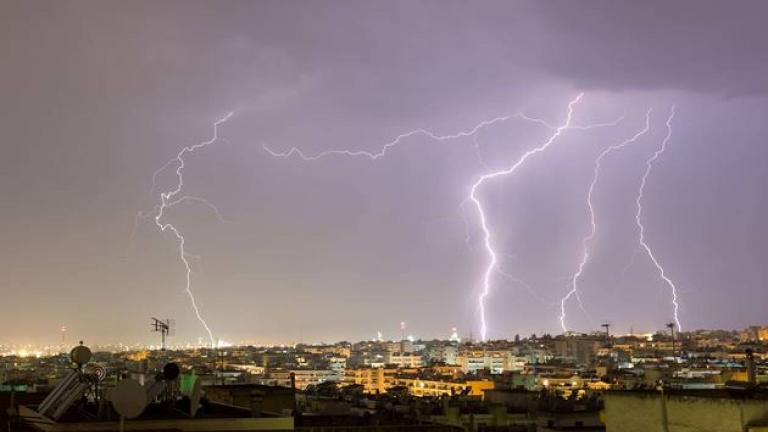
x,y
171,371
129,398
80,354
194,399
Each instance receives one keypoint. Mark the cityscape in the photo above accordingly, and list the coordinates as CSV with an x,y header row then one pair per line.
x,y
412,215
572,381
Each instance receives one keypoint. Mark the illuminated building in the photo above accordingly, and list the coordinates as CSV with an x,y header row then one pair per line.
x,y
472,361
405,359
373,380
443,353
439,387
303,377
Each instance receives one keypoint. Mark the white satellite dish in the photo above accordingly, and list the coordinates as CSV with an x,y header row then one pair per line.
x,y
129,398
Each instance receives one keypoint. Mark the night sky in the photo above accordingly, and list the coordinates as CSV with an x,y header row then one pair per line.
x,y
96,96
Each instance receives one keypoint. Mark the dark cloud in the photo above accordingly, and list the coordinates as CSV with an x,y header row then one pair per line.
x,y
702,46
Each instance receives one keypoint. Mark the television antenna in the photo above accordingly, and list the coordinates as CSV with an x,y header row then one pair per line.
x,y
607,326
165,328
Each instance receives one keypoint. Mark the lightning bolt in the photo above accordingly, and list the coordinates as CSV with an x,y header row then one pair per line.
x,y
493,261
638,219
587,240
170,198
203,201
473,195
402,137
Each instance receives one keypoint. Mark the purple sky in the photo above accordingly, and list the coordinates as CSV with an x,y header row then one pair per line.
x,y
97,95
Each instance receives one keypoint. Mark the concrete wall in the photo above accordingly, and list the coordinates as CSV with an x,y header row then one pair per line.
x,y
257,398
643,412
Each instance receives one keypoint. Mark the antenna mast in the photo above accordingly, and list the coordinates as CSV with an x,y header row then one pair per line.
x,y
607,327
163,327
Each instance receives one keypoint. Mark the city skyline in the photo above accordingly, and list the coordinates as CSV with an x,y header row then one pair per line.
x,y
345,172
153,342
